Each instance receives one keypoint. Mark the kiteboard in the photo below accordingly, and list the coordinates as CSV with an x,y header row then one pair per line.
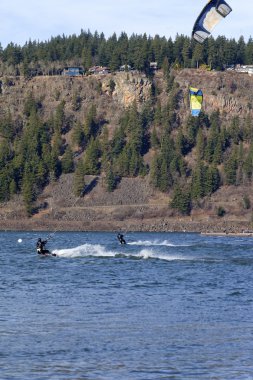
x,y
47,253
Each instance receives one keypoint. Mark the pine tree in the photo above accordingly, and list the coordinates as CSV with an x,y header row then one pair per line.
x,y
181,200
155,171
198,181
186,53
78,134
134,163
118,141
91,159
230,168
165,180
4,185
79,181
59,117
67,162
41,174
122,162
28,191
90,125
197,55
30,105
235,131
111,180
13,187
154,139
213,180
248,163
200,145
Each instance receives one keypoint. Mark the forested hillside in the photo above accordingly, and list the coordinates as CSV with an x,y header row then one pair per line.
x,y
105,134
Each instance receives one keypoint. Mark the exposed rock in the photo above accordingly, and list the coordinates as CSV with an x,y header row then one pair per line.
x,y
129,87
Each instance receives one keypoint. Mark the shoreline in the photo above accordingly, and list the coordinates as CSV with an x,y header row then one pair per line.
x,y
213,228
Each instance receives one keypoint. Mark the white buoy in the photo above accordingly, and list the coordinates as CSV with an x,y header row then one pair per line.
x,y
20,240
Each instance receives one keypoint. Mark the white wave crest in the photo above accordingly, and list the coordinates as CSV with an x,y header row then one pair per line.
x,y
97,250
84,251
156,242
150,254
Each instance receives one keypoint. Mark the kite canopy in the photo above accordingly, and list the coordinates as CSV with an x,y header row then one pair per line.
x,y
196,99
211,15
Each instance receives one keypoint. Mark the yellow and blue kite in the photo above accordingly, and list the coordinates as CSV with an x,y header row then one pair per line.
x,y
196,99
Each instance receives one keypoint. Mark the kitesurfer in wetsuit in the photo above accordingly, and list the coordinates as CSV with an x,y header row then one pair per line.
x,y
121,239
41,247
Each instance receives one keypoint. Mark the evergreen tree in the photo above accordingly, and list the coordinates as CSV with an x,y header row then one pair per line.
x,y
165,180
198,181
111,180
230,168
90,125
200,145
59,117
28,191
78,134
79,182
154,139
197,55
118,141
181,200
155,171
4,186
67,162
135,163
30,105
213,180
248,163
186,53
91,159
122,162
7,127
13,187
235,131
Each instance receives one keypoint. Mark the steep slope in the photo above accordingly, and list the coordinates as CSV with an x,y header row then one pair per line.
x,y
135,204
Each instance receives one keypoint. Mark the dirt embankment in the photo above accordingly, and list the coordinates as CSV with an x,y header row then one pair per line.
x,y
133,206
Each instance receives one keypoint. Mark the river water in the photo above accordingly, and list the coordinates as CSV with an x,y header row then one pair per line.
x,y
165,306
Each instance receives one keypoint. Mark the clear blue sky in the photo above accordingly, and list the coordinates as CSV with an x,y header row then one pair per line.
x,y
39,20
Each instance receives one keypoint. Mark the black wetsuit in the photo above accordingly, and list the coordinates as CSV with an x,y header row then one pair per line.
x,y
121,239
41,247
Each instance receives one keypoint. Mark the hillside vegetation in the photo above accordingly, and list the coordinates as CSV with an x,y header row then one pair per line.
x,y
73,143
107,151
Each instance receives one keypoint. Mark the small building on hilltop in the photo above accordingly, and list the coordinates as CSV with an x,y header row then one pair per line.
x,y
73,71
99,70
125,68
153,66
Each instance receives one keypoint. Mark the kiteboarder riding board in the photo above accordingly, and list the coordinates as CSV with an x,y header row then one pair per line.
x,y
41,248
121,239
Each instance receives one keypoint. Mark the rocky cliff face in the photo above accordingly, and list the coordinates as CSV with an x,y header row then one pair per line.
x,y
50,91
229,92
129,87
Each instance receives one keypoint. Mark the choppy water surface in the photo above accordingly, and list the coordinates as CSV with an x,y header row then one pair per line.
x,y
165,306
